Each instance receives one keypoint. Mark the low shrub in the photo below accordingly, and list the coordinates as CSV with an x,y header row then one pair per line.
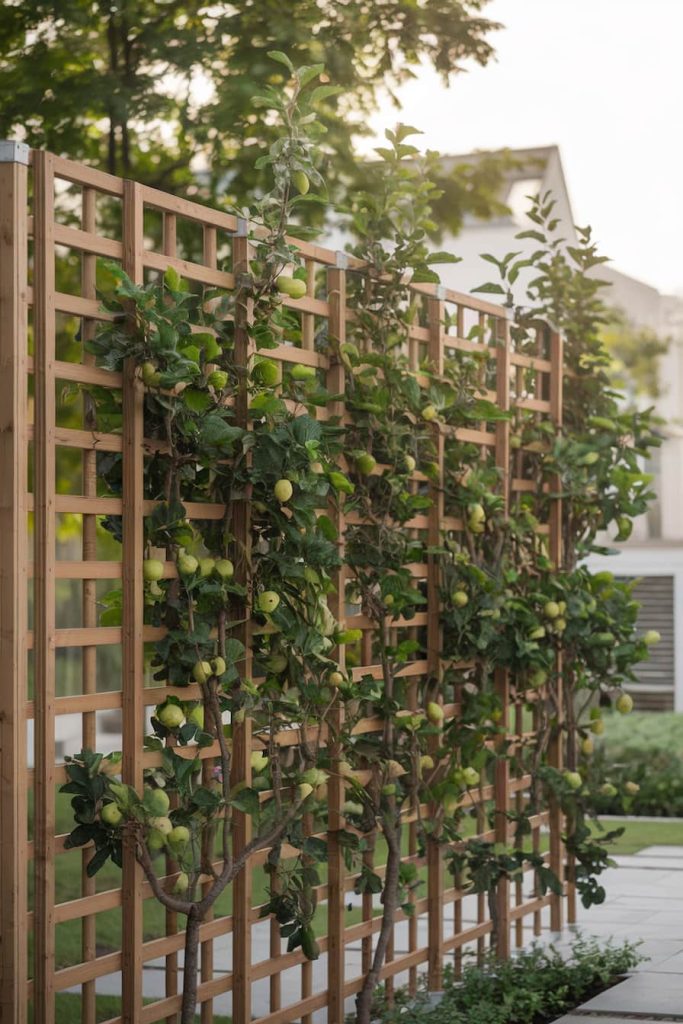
x,y
645,749
535,987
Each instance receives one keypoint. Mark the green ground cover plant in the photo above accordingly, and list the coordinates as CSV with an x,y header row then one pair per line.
x,y
535,987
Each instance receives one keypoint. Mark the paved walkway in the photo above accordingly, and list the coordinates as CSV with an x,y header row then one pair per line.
x,y
644,901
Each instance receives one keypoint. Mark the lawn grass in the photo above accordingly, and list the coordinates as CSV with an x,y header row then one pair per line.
x,y
639,834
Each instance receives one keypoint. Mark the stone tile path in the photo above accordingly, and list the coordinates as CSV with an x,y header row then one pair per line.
x,y
645,901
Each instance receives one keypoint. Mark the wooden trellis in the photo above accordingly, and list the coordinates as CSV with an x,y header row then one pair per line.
x,y
56,214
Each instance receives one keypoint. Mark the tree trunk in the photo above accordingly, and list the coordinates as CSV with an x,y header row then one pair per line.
x,y
189,1004
364,997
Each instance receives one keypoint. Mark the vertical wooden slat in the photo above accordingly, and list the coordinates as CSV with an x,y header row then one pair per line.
x,y
556,554
502,680
336,293
435,863
89,596
44,586
206,954
13,578
241,761
132,622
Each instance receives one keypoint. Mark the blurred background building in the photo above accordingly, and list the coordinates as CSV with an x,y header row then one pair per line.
x,y
651,321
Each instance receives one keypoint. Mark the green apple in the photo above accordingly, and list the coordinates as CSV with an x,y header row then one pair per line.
x,y
429,413
301,182
294,287
559,625
538,633
435,713
196,716
157,802
631,788
162,824
426,763
302,372
156,840
598,727
149,374
335,679
459,598
181,884
349,636
259,761
268,601
283,491
224,568
179,836
218,379
206,566
587,746
538,678
111,815
551,609
315,777
365,463
152,569
187,565
573,780
266,372
476,512
652,637
624,704
450,803
607,789
515,441
389,600
470,776
304,790
409,463
170,715
277,663
218,666
317,468
201,671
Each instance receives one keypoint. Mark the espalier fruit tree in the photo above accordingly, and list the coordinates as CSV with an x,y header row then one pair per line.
x,y
251,646
278,466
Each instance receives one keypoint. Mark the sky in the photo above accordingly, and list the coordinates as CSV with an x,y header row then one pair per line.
x,y
603,79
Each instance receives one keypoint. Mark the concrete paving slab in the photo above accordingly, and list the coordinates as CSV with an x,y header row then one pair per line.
x,y
662,851
642,993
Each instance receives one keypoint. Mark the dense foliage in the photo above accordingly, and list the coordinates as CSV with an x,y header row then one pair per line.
x,y
641,759
164,92
536,987
249,602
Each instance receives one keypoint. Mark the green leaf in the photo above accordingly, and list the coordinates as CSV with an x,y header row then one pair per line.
x,y
281,58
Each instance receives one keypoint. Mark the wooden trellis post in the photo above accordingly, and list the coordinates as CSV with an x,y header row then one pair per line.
x,y
14,554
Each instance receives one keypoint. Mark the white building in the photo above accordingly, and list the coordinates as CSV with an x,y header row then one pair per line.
x,y
655,549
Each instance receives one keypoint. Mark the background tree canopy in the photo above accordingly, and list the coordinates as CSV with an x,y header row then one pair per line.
x,y
159,90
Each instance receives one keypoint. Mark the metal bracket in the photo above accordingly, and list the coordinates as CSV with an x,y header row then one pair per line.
x,y
342,260
13,152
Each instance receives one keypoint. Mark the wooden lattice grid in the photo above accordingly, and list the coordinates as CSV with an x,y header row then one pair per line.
x,y
76,213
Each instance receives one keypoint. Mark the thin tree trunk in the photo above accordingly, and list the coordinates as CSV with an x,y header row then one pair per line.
x,y
189,1005
364,998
